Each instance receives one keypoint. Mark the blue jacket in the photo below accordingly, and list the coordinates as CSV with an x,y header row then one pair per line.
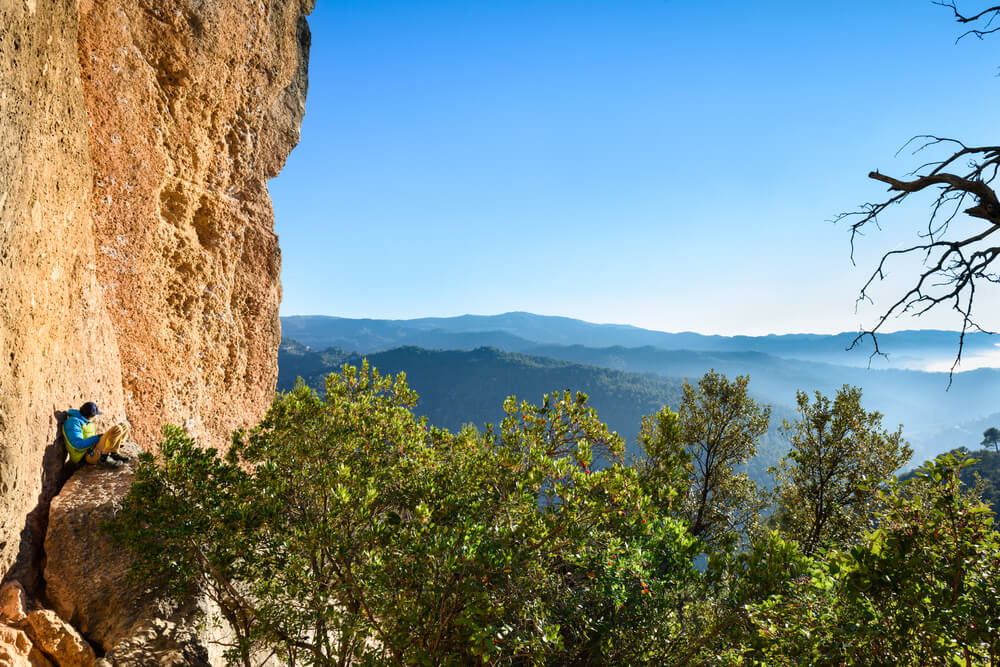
x,y
73,431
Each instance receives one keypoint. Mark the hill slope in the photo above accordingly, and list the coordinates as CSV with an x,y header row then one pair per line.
x,y
460,387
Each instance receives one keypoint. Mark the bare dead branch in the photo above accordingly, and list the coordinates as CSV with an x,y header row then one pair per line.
x,y
987,16
952,266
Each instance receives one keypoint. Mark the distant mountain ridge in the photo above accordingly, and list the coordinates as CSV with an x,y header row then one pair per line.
x,y
520,332
777,365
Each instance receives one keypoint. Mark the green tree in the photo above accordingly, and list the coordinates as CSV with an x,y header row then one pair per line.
x,y
918,590
720,425
827,484
345,530
664,464
991,438
189,521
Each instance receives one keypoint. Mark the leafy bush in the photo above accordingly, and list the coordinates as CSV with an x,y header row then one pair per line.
x,y
918,590
345,529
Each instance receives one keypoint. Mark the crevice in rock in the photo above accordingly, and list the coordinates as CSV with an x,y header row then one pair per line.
x,y
29,564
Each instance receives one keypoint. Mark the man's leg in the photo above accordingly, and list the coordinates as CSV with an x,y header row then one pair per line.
x,y
112,439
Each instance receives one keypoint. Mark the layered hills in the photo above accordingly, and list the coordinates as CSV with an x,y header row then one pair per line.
x,y
459,387
520,331
929,405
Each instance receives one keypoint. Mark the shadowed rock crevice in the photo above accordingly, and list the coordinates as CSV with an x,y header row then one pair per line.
x,y
56,470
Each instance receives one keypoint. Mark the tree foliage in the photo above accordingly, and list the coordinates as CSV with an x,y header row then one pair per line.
x,y
920,589
828,482
720,425
345,530
991,438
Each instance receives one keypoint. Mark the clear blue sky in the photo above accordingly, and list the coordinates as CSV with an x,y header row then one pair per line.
x,y
667,164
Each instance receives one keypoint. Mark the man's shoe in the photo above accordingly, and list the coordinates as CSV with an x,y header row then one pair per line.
x,y
118,457
108,461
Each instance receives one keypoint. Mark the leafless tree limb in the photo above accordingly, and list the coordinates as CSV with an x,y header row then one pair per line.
x,y
953,265
987,16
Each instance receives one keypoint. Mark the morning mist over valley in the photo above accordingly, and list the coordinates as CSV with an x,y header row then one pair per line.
x,y
938,411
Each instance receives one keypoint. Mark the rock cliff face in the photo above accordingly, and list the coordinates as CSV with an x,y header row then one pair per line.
x,y
57,345
138,263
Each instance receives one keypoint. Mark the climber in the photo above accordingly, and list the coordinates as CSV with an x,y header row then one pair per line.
x,y
83,442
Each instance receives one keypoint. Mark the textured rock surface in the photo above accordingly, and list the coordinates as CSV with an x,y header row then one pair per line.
x,y
57,347
162,642
85,580
13,603
194,105
17,650
138,263
58,640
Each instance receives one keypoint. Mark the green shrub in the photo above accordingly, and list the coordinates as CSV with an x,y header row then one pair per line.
x,y
344,529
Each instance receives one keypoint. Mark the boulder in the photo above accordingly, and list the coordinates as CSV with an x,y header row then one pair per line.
x,y
85,579
15,640
58,640
13,603
15,647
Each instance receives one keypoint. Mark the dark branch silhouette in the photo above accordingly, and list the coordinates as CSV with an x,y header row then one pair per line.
x,y
954,264
987,17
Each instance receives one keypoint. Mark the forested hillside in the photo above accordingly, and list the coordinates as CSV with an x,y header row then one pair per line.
x,y
779,365
458,388
461,387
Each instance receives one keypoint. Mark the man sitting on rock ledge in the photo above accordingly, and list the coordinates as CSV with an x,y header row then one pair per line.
x,y
83,443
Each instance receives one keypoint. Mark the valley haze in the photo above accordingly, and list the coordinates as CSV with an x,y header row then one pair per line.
x,y
908,386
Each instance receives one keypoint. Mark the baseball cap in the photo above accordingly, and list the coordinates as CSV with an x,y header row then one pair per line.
x,y
89,409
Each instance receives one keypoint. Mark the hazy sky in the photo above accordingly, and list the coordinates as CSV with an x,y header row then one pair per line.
x,y
672,165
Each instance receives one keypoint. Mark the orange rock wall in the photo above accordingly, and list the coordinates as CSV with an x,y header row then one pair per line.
x,y
138,263
189,118
57,345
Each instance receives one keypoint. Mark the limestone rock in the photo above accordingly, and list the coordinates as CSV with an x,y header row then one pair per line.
x,y
138,262
57,639
172,644
193,105
16,650
83,570
85,580
57,343
14,646
13,604
37,659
